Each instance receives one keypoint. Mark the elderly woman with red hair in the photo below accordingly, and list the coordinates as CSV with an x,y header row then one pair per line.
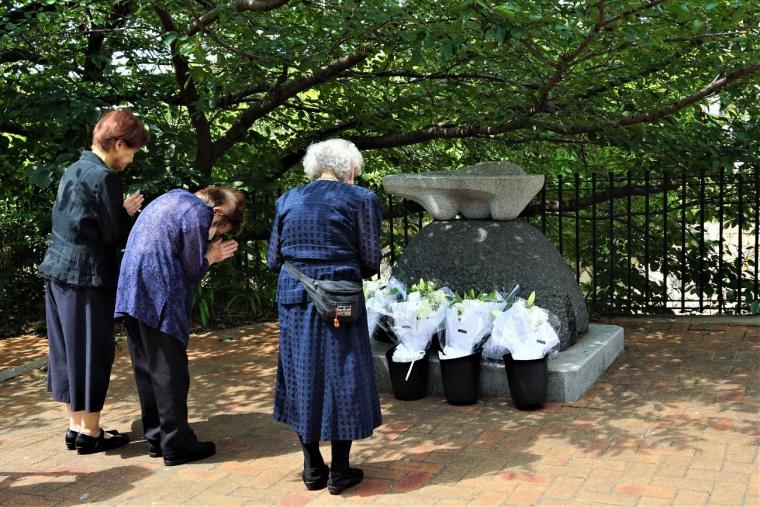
x,y
91,221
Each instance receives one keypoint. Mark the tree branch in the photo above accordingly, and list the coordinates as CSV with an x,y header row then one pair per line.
x,y
417,76
601,197
566,61
204,155
651,116
280,94
614,83
235,98
13,128
295,154
96,36
633,11
28,10
436,132
237,6
21,55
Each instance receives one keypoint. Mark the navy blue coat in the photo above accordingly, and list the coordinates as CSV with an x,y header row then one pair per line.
x,y
325,377
90,224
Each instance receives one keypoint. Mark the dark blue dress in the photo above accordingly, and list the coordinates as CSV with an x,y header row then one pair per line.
x,y
325,377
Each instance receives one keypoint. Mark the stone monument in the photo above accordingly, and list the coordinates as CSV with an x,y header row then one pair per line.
x,y
490,249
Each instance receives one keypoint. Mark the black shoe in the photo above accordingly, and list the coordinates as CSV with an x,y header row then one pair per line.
x,y
155,450
196,451
71,438
316,478
340,481
86,444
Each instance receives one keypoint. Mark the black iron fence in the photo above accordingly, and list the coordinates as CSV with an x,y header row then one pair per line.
x,y
664,243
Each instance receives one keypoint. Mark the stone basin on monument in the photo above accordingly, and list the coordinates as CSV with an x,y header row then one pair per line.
x,y
496,190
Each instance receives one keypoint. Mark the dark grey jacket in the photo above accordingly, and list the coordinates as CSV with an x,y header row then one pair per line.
x,y
90,224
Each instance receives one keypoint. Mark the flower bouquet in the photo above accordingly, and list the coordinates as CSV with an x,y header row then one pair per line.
x,y
418,318
378,298
468,322
524,330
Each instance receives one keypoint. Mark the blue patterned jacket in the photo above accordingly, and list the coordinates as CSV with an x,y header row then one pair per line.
x,y
163,261
328,230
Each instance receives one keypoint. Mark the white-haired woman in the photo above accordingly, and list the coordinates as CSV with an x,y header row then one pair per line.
x,y
328,229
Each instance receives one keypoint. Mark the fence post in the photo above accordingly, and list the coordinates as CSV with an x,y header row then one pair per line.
x,y
578,228
740,210
701,238
757,228
664,240
406,222
390,229
683,240
629,243
646,239
611,232
593,240
559,224
721,202
543,208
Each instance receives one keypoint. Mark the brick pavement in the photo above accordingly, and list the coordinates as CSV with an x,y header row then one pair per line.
x,y
674,421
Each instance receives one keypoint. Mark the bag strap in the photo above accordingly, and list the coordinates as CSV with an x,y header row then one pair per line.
x,y
309,282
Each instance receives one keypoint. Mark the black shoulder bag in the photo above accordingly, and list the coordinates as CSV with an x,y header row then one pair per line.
x,y
336,301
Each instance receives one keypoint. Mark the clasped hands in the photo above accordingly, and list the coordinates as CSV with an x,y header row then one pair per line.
x,y
220,249
133,202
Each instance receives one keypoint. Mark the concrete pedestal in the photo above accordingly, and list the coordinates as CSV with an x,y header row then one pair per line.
x,y
571,372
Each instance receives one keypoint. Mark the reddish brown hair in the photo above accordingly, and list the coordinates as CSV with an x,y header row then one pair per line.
x,y
233,202
120,124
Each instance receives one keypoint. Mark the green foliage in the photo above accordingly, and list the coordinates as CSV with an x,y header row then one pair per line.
x,y
23,234
555,87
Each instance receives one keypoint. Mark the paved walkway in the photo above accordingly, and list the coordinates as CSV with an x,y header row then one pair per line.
x,y
674,421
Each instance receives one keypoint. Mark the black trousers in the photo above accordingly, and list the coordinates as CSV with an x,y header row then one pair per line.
x,y
163,380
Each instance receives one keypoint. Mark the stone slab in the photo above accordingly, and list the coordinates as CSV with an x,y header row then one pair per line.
x,y
497,190
571,372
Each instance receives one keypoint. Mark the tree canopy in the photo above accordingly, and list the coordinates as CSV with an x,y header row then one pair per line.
x,y
238,89
234,91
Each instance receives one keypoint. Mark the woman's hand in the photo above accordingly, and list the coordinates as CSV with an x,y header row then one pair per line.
x,y
133,202
219,250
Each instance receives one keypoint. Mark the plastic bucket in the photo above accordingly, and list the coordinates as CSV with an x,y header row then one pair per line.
x,y
407,385
461,379
528,380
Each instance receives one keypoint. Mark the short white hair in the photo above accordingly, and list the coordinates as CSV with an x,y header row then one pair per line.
x,y
336,155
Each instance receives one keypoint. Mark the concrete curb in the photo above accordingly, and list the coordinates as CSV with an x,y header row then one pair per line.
x,y
15,371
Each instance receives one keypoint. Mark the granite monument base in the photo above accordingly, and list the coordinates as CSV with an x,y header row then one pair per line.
x,y
571,372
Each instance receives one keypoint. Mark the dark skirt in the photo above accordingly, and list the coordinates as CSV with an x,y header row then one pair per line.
x,y
80,328
325,377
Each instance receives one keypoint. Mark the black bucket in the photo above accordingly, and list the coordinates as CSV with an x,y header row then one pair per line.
x,y
413,388
461,379
528,381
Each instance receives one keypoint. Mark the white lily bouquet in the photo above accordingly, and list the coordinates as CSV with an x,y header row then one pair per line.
x,y
468,321
378,297
524,330
418,318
